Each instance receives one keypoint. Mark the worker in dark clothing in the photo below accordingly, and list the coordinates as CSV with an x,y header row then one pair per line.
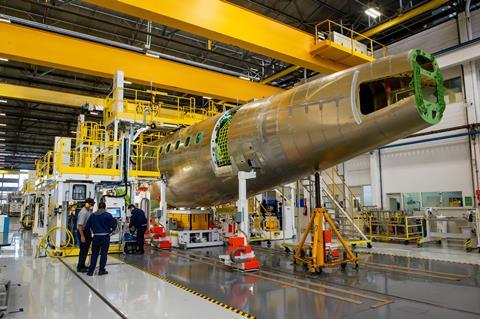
x,y
101,224
85,236
138,221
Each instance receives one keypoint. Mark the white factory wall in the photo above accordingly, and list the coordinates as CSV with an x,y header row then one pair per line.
x,y
432,40
437,166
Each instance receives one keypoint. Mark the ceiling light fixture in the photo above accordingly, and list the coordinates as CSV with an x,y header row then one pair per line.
x,y
207,98
244,77
3,101
3,124
153,55
93,113
4,20
3,59
127,82
3,114
372,12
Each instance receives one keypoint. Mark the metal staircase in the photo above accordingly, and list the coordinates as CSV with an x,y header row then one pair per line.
x,y
345,209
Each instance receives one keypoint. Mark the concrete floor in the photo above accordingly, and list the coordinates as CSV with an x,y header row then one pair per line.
x,y
46,288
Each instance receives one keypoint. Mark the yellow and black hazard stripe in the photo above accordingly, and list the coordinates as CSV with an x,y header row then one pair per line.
x,y
190,290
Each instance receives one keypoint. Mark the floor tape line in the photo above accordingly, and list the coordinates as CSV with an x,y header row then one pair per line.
x,y
192,291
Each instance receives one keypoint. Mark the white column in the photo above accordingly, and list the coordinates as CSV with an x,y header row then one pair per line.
x,y
289,213
471,89
375,179
36,217
163,203
242,203
61,215
118,82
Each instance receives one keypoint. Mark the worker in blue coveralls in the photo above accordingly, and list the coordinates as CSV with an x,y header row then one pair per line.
x,y
138,222
101,224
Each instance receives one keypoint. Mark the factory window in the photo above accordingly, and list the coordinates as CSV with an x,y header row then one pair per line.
x,y
453,90
442,199
161,150
79,192
168,148
152,153
187,141
177,144
199,137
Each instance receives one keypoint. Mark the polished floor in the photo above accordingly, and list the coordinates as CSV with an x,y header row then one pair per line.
x,y
46,288
447,251
180,284
414,296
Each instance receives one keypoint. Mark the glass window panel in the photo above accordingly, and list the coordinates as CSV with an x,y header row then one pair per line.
x,y
453,90
452,199
411,201
367,195
432,199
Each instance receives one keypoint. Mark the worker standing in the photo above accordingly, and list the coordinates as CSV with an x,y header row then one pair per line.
x,y
101,223
139,222
85,236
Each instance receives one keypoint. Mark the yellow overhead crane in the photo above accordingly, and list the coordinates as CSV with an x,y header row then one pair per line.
x,y
228,23
63,52
231,24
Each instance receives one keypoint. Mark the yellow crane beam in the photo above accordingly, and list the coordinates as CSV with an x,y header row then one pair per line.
x,y
228,23
405,17
31,94
280,74
59,51
25,93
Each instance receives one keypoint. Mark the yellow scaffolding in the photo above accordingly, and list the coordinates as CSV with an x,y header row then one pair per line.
x,y
335,184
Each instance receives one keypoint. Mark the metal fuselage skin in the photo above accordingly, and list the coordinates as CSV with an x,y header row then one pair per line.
x,y
311,127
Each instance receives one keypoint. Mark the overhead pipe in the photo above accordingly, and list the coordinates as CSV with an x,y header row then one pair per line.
x,y
404,17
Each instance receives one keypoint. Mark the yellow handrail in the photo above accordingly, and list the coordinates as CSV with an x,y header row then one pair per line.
x,y
329,26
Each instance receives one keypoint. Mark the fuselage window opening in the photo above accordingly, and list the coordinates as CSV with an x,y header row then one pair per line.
x,y
199,137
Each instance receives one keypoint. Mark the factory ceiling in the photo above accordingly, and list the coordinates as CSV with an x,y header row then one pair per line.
x,y
31,127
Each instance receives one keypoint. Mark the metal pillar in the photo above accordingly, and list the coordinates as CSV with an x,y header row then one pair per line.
x,y
242,203
318,191
163,203
375,179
